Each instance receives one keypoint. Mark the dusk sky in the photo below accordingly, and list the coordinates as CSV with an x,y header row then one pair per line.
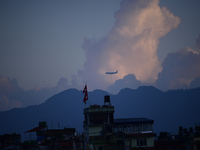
x,y
65,44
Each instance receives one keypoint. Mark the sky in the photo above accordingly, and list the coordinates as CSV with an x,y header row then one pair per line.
x,y
50,46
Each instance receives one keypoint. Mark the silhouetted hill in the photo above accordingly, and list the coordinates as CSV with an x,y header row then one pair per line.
x,y
169,109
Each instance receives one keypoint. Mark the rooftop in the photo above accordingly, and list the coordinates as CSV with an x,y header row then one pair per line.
x,y
132,120
98,108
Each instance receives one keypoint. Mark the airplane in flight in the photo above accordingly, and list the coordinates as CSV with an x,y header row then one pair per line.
x,y
112,72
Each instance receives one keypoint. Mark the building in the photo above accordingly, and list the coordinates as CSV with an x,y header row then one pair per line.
x,y
96,119
103,132
10,141
184,139
55,138
138,132
60,138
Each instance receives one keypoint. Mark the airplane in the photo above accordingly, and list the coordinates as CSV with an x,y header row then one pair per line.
x,y
112,72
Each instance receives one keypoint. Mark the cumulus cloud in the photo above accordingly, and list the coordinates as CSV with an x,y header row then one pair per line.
x,y
63,84
8,91
180,69
195,83
7,103
129,81
130,46
8,85
12,96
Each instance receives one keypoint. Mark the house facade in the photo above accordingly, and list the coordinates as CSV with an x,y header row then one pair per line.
x,y
137,132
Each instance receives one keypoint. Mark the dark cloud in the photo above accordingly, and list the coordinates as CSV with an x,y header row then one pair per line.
x,y
179,69
129,81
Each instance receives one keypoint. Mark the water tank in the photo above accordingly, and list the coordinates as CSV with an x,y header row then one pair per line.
x,y
107,100
42,124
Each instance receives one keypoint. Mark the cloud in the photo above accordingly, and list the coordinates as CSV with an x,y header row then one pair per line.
x,y
195,83
12,96
8,85
179,69
39,95
63,83
7,103
8,91
129,81
130,46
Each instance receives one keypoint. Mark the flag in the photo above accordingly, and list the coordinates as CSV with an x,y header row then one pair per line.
x,y
85,89
86,94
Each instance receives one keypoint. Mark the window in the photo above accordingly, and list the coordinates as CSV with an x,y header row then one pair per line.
x,y
140,127
137,127
141,142
124,129
129,129
151,127
120,128
97,118
133,128
115,129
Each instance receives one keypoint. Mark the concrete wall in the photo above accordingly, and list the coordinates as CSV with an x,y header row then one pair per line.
x,y
95,131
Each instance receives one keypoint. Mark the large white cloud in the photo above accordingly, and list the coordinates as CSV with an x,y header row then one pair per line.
x,y
180,70
131,45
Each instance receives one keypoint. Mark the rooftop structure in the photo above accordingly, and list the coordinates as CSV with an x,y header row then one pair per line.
x,y
133,125
102,131
10,141
96,118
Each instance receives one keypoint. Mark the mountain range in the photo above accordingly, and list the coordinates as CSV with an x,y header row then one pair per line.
x,y
169,109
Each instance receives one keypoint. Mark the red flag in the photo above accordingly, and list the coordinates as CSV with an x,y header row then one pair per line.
x,y
86,94
85,89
